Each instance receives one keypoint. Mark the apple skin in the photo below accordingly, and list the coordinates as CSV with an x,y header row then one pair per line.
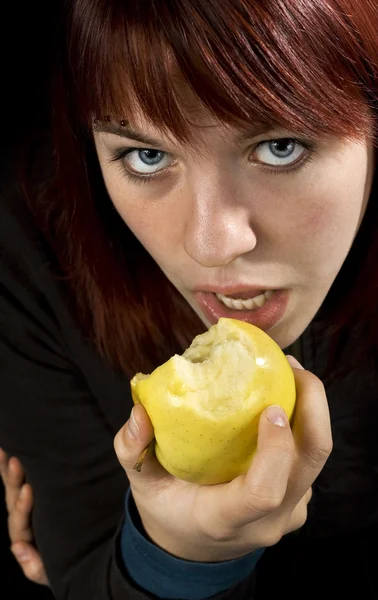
x,y
206,418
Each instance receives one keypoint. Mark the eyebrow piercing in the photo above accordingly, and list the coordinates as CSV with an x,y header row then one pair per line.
x,y
107,119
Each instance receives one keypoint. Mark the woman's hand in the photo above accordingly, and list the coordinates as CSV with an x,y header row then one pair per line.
x,y
226,521
19,504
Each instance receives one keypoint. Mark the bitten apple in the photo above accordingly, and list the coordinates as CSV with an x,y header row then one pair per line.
x,y
205,404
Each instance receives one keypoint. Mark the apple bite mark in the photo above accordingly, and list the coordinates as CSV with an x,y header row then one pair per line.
x,y
205,405
216,371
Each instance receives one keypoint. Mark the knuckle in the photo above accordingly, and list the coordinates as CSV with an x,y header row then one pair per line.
x,y
221,534
271,537
285,450
308,496
11,500
264,500
15,529
217,531
302,519
318,454
218,528
299,517
11,519
328,446
317,386
20,508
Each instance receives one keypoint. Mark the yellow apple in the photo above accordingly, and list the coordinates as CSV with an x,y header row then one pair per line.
x,y
205,404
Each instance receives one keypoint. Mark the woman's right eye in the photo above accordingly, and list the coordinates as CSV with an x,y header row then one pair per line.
x,y
145,161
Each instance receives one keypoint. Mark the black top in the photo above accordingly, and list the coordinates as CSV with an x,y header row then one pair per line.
x,y
61,406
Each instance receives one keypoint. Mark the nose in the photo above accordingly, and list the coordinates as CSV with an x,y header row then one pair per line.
x,y
218,229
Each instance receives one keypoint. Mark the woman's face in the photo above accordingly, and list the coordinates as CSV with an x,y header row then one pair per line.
x,y
253,226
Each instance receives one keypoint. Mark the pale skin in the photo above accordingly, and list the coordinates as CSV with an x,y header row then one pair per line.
x,y
217,214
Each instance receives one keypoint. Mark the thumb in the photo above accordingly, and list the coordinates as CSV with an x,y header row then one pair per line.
x,y
134,447
272,461
263,488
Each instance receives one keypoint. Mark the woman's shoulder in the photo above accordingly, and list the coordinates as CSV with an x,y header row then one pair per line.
x,y
30,295
36,320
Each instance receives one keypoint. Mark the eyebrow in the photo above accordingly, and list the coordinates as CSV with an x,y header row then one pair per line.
x,y
126,131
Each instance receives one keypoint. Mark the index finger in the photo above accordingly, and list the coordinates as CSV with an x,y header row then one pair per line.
x,y
312,433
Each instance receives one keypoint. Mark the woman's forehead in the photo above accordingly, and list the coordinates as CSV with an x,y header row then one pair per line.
x,y
203,133
201,123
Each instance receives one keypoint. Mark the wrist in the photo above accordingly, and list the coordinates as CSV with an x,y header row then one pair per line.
x,y
166,576
199,550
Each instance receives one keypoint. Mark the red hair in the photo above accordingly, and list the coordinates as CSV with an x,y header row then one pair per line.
x,y
309,66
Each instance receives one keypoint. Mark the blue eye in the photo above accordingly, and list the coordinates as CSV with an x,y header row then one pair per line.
x,y
147,160
280,152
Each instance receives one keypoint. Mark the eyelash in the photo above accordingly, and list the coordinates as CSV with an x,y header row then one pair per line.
x,y
300,164
119,155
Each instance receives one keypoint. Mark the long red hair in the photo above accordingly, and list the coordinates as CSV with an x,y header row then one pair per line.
x,y
310,66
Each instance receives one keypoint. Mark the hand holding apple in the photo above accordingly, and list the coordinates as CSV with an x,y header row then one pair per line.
x,y
223,521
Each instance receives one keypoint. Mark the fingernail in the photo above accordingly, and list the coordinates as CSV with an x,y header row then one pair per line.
x,y
276,415
21,554
133,426
294,362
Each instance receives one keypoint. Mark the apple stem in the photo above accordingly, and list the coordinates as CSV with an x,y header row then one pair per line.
x,y
139,463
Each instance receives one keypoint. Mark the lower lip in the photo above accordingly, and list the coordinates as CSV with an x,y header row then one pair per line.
x,y
265,317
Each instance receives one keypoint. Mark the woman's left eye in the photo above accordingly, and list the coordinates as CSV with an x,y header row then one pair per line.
x,y
145,161
278,153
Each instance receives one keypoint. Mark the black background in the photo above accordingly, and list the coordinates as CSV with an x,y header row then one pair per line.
x,y
27,31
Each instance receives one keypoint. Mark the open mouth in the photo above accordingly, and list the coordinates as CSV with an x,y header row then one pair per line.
x,y
245,304
264,309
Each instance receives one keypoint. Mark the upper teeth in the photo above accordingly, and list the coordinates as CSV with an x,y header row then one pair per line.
x,y
250,304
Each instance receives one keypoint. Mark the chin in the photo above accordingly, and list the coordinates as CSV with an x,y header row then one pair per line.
x,y
287,332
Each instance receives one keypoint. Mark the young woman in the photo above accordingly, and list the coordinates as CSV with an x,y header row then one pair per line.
x,y
208,159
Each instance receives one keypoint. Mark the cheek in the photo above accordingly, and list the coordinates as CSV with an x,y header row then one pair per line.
x,y
318,217
329,206
328,224
156,223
